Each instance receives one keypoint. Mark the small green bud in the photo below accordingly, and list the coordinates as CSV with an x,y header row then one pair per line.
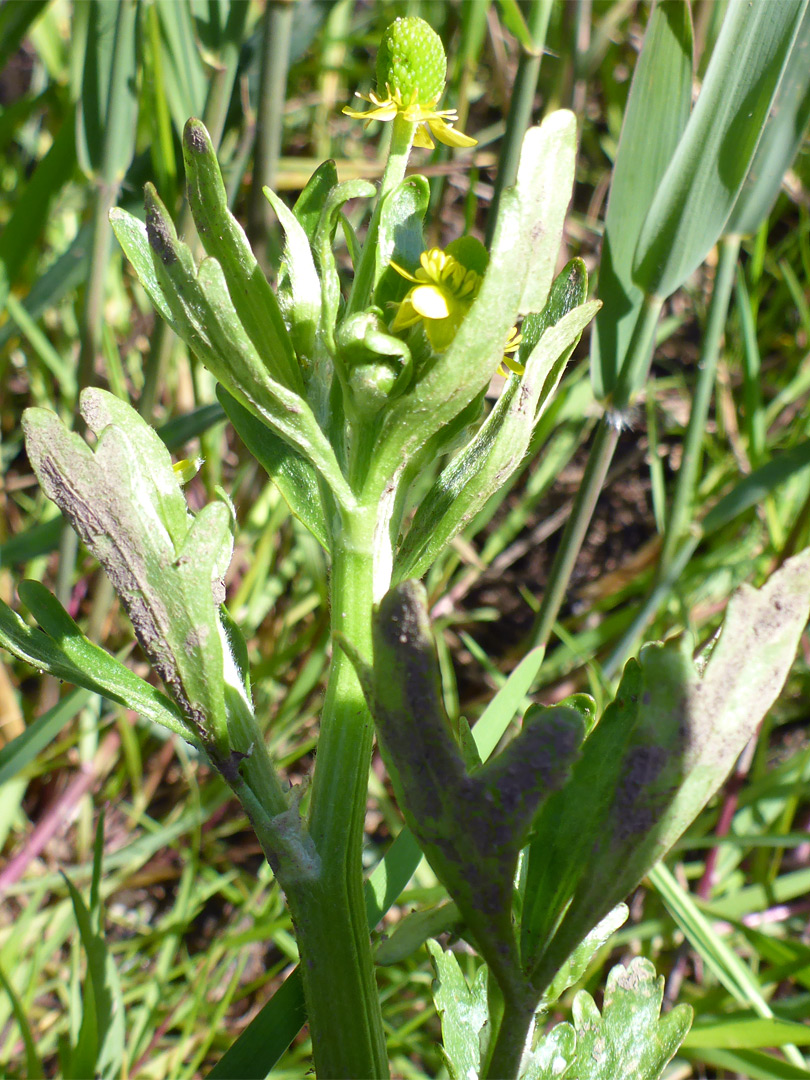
x,y
376,365
411,62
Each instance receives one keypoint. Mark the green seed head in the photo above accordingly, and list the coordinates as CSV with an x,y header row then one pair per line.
x,y
411,62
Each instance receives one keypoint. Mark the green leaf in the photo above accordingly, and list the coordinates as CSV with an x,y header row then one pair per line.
x,y
15,22
100,1048
470,826
131,235
16,755
553,1056
294,476
577,963
661,750
754,488
204,316
101,410
630,1038
513,20
224,239
70,268
462,1010
32,208
303,293
391,875
400,237
95,670
654,119
460,374
169,588
749,1063
704,178
412,931
34,1069
732,972
322,247
184,75
499,447
267,1036
781,139
500,712
553,145
311,201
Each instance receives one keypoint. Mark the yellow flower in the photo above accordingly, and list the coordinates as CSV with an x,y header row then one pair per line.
x,y
442,294
411,74
439,121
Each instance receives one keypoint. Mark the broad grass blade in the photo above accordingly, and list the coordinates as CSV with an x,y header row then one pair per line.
x,y
704,178
654,120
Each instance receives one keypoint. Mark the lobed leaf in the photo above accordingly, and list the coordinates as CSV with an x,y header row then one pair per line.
x,y
224,238
171,590
463,1011
471,826
661,750
204,316
630,1037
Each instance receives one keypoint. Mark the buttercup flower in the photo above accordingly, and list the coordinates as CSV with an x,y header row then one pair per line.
x,y
411,70
443,292
442,295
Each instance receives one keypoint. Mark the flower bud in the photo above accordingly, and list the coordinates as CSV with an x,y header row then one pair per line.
x,y
411,62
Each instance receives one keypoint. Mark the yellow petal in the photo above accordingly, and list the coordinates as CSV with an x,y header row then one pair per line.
x,y
430,302
382,112
402,271
422,139
448,135
405,316
512,364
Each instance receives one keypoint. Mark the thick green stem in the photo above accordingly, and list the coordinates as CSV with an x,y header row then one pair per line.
x,y
601,455
401,143
330,918
513,1033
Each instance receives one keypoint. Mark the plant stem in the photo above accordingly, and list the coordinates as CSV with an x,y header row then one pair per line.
x,y
601,455
682,500
677,549
513,1033
400,150
337,967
